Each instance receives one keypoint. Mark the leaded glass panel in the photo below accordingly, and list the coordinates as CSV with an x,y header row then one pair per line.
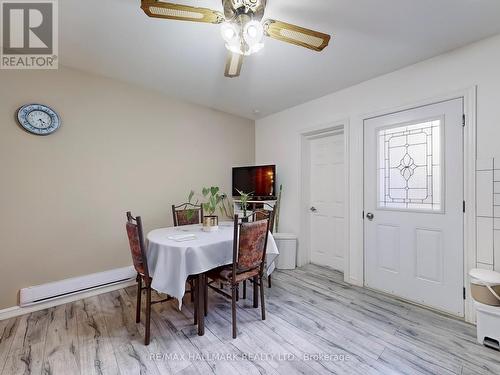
x,y
410,167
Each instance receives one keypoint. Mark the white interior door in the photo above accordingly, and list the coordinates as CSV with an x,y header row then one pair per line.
x,y
326,210
414,205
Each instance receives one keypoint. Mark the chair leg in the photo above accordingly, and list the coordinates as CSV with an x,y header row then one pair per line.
x,y
139,294
148,315
200,291
194,294
245,289
262,305
269,281
234,291
191,284
255,292
205,297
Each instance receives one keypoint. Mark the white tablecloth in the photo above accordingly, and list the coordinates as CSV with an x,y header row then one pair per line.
x,y
171,262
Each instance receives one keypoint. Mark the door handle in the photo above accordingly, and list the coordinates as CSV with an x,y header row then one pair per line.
x,y
313,209
370,216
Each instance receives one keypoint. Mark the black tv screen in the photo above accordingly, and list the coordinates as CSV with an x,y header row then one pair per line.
x,y
260,181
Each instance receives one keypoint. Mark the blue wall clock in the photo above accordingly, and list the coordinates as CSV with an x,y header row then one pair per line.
x,y
38,119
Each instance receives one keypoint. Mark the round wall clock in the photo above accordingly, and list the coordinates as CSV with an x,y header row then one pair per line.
x,y
38,119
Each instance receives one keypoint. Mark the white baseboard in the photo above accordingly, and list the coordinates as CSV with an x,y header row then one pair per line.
x,y
60,292
62,288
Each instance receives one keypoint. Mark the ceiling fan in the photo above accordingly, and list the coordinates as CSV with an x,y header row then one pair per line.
x,y
242,27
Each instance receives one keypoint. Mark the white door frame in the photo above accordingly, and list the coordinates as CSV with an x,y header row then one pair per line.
x,y
304,251
470,154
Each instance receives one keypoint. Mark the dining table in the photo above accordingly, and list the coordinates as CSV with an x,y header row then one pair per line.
x,y
175,253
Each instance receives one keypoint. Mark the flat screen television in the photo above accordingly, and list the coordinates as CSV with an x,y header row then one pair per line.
x,y
259,180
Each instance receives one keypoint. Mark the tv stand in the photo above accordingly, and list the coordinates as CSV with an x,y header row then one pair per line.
x,y
267,204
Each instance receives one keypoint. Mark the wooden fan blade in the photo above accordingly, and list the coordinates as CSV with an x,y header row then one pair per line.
x,y
233,65
299,36
158,9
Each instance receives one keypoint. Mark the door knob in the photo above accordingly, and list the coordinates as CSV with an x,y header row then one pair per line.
x,y
313,209
370,216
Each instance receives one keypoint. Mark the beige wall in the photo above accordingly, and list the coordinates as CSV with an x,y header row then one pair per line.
x,y
63,197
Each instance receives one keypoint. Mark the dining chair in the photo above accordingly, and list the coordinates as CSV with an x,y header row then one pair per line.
x,y
249,253
135,235
260,214
187,214
269,212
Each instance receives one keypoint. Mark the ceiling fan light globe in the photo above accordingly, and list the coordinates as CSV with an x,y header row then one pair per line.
x,y
253,33
257,47
254,49
229,32
235,49
234,45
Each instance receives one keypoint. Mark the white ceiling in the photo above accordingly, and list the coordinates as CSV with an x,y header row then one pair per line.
x,y
115,38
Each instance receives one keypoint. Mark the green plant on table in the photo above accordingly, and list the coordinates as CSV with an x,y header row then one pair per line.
x,y
191,211
213,199
225,207
244,199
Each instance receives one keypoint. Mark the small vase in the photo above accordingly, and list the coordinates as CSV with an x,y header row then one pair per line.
x,y
210,223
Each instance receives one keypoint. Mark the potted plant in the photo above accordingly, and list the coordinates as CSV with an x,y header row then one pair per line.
x,y
244,199
213,200
191,211
226,208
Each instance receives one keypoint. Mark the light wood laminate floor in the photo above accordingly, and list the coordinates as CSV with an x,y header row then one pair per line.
x,y
316,324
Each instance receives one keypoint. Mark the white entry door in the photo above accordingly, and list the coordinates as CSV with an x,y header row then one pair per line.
x,y
326,209
414,205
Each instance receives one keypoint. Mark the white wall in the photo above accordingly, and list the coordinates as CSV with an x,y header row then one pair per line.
x,y
63,197
277,136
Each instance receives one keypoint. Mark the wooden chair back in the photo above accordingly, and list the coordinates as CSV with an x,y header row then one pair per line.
x,y
187,214
136,241
249,245
263,213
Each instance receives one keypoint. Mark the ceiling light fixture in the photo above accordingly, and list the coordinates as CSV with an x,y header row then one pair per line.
x,y
231,35
243,27
243,36
229,32
253,33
